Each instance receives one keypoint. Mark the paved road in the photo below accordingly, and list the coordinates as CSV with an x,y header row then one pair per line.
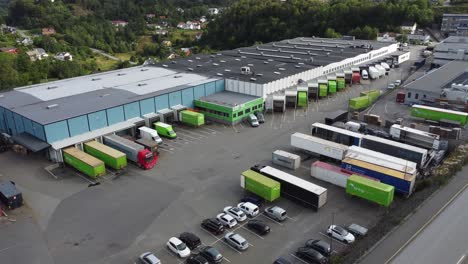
x,y
386,249
100,52
445,240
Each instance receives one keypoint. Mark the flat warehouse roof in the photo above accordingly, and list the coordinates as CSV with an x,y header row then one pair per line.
x,y
228,99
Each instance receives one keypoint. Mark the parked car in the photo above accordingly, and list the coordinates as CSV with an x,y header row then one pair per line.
x,y
211,254
259,227
249,209
319,245
276,212
340,233
391,86
252,199
213,225
357,230
235,212
311,255
397,82
227,220
196,259
253,121
260,117
149,258
178,247
282,260
190,239
236,241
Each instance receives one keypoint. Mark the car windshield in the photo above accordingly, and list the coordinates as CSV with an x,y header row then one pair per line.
x,y
341,230
181,246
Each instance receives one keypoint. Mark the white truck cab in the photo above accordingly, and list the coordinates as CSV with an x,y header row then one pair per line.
x,y
149,133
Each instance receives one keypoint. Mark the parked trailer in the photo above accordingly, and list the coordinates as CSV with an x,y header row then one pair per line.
x,y
291,98
83,162
340,81
348,76
313,89
286,159
319,146
373,191
373,95
331,84
385,175
359,103
381,70
150,145
302,96
294,188
260,185
415,137
438,114
135,152
408,172
111,157
335,134
191,118
336,116
356,77
279,103
396,149
411,167
323,88
329,173
373,73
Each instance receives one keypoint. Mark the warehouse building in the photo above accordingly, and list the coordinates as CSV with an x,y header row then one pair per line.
x,y
226,86
455,24
427,90
451,48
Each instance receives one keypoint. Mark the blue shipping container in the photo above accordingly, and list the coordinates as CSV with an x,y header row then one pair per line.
x,y
401,185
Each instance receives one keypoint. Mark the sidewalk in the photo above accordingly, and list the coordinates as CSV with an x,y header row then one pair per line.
x,y
389,245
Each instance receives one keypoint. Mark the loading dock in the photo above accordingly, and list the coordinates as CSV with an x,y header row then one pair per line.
x,y
167,115
279,103
291,98
177,109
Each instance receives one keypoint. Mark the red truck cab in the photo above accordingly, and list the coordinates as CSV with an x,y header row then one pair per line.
x,y
146,159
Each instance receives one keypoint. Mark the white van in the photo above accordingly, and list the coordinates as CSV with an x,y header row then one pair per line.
x,y
365,75
149,133
253,120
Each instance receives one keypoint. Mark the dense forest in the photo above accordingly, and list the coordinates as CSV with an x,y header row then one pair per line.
x,y
249,21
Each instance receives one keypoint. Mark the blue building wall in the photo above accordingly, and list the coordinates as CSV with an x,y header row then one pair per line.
x,y
13,123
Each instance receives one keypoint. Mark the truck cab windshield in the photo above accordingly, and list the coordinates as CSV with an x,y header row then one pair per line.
x,y
149,157
171,133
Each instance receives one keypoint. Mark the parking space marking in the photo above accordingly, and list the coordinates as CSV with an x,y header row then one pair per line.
x,y
186,135
292,219
211,131
209,233
271,219
169,145
240,253
333,239
252,232
84,178
227,259
192,133
296,257
170,252
167,150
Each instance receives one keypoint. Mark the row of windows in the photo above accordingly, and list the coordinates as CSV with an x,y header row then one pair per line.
x,y
219,113
416,96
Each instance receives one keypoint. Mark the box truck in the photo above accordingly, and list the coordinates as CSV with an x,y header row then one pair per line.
x,y
331,84
340,81
135,152
319,146
83,162
165,130
323,88
111,157
260,185
10,196
150,134
373,191
373,73
192,118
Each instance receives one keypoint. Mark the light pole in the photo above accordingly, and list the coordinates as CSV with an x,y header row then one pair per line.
x,y
331,239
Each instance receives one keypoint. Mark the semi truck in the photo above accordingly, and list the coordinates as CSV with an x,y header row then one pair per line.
x,y
348,76
150,134
83,162
294,188
260,185
165,130
135,152
373,95
439,114
359,103
396,149
415,137
373,73
313,90
335,134
191,118
402,184
373,191
356,77
316,145
329,173
380,69
150,145
112,158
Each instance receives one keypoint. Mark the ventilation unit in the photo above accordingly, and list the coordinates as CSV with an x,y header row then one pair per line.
x,y
52,106
142,84
95,79
52,87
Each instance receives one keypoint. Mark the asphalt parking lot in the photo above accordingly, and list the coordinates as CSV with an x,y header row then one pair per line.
x,y
197,175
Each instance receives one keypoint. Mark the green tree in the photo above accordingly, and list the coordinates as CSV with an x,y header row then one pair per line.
x,y
331,33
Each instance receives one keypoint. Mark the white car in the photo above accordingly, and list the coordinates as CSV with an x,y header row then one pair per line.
x,y
178,247
340,233
391,86
397,82
249,209
235,212
227,220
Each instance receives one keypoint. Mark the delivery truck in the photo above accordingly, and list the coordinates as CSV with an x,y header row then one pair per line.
x,y
260,185
294,188
373,73
192,118
150,134
165,130
83,162
439,114
356,77
112,158
373,191
135,152
316,145
331,84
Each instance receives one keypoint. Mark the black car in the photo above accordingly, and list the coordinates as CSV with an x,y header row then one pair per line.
x,y
311,255
196,259
213,225
282,260
319,245
260,117
190,239
258,226
252,199
211,254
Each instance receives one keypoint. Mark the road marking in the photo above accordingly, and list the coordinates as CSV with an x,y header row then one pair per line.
x,y
252,232
166,150
461,259
227,259
386,108
170,252
344,244
240,253
186,135
426,224
210,234
292,219
212,131
193,133
296,257
84,178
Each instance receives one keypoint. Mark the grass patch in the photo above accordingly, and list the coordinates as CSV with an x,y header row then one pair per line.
x,y
124,56
104,63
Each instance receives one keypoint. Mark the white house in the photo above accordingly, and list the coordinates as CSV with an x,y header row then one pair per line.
x,y
213,11
386,37
64,56
409,27
37,54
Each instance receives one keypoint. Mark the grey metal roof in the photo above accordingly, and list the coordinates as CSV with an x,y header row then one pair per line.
x,y
32,143
439,78
228,99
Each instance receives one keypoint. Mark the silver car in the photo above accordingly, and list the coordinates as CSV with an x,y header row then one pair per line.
x,y
236,241
276,212
149,258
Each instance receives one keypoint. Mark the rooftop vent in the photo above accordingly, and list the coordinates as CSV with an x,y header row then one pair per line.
x,y
121,74
238,59
190,60
270,59
281,69
259,74
215,64
142,84
212,56
265,62
219,54
227,70
253,79
1,96
177,76
95,79
190,69
52,87
144,70
199,65
52,106
173,62
104,95
244,57
198,58
277,73
219,74
250,64
301,63
165,65
297,66
222,61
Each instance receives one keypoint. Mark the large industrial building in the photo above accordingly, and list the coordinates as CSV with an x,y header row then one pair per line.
x,y
451,48
71,111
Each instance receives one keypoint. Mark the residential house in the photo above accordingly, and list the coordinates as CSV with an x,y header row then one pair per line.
x,y
190,25
203,19
24,41
64,56
387,37
37,54
48,31
419,38
166,43
8,30
161,32
150,16
213,11
119,23
153,26
409,27
455,25
11,50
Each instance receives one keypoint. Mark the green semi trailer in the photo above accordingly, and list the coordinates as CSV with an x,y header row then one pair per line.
x,y
302,96
359,103
261,185
370,190
373,95
111,157
83,162
439,114
323,88
340,81
192,118
332,86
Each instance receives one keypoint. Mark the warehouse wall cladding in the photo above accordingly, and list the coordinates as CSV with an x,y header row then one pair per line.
x,y
68,112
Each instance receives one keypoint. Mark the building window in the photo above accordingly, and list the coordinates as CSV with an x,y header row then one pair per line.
x,y
409,95
416,96
424,96
234,115
240,113
247,110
